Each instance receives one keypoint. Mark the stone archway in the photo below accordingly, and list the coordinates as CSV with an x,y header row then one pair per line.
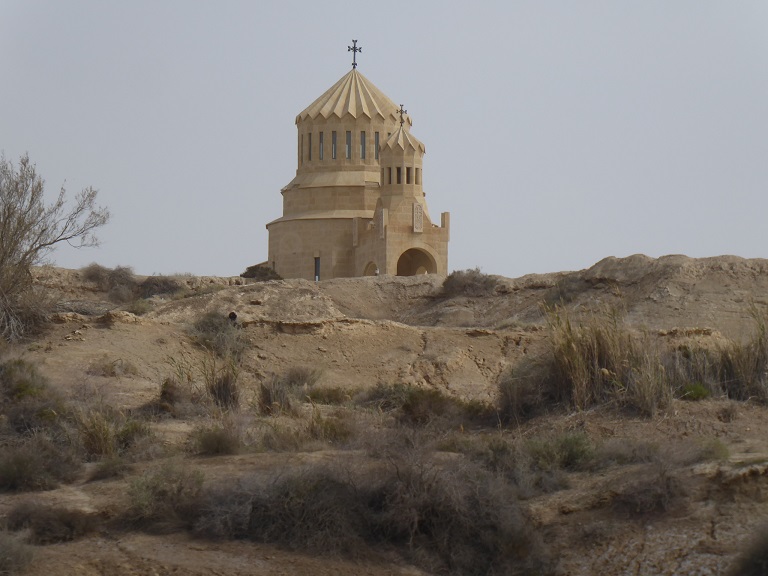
x,y
415,261
370,269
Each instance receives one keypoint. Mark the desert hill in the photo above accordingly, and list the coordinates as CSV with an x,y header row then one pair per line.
x,y
359,333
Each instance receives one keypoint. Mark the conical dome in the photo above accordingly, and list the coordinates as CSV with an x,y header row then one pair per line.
x,y
355,95
401,139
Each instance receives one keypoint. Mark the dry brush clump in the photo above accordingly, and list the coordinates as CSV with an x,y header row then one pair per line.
x,y
471,283
51,524
165,498
215,331
448,517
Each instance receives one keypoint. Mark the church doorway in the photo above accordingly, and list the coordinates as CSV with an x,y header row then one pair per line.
x,y
415,261
370,269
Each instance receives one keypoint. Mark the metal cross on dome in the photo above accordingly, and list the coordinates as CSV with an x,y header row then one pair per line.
x,y
401,112
354,49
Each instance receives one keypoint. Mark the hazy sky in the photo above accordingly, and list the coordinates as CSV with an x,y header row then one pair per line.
x,y
557,132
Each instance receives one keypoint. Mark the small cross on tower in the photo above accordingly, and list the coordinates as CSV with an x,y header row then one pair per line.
x,y
354,49
401,112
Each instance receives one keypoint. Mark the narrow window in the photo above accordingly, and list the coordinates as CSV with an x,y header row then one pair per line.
x,y
317,268
301,150
362,145
389,177
399,175
333,144
348,148
309,139
418,176
321,146
407,171
376,145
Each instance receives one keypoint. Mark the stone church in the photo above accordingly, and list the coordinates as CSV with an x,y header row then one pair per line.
x,y
356,206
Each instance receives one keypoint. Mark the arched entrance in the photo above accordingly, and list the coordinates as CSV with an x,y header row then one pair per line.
x,y
415,261
370,269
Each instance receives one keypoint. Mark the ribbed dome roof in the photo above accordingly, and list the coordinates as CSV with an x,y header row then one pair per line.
x,y
355,95
403,140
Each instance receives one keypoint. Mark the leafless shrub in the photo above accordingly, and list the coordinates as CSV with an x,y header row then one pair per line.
x,y
227,435
154,285
166,497
260,273
654,490
471,283
50,525
523,390
110,467
216,332
334,428
29,230
36,463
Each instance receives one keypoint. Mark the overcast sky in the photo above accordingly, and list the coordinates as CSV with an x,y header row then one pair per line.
x,y
557,132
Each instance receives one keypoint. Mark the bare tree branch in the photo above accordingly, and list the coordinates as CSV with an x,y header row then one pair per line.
x,y
30,229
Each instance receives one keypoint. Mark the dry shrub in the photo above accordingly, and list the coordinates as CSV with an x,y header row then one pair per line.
x,y
214,331
223,388
419,406
50,525
155,285
566,451
119,283
260,273
335,428
106,432
110,467
471,283
302,377
282,394
225,436
166,497
453,518
19,380
139,307
522,391
653,490
36,463
15,555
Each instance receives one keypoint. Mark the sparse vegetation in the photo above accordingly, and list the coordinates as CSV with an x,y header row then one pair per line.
x,y
471,283
50,525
